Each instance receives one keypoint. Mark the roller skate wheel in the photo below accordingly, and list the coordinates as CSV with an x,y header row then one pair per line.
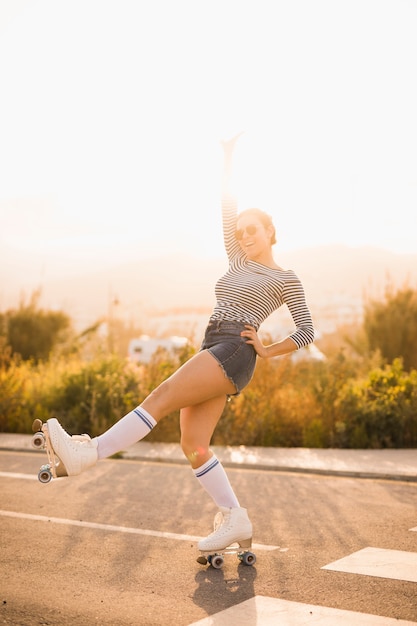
x,y
45,475
38,441
217,561
248,558
37,425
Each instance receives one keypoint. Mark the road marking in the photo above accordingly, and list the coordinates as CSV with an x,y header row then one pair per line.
x,y
379,562
272,611
16,475
120,529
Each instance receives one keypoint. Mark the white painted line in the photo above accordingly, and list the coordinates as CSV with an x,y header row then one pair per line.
x,y
16,475
379,562
415,529
263,611
119,529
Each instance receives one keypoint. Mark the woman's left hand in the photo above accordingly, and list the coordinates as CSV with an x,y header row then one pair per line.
x,y
252,338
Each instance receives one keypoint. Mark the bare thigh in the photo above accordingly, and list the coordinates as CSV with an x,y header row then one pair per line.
x,y
197,426
198,380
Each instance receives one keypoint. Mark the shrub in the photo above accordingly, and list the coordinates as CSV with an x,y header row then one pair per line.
x,y
380,411
340,402
278,408
12,389
89,397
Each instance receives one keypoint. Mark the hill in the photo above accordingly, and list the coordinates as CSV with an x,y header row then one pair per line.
x,y
337,280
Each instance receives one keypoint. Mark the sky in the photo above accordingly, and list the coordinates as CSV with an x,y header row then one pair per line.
x,y
112,114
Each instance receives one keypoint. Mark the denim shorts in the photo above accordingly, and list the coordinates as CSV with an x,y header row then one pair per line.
x,y
236,357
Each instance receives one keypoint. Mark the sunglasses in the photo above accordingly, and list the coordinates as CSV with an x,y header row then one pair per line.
x,y
250,230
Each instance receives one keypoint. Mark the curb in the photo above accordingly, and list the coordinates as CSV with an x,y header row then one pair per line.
x,y
264,467
260,459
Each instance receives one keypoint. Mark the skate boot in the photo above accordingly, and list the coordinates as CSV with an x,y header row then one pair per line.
x,y
77,453
232,525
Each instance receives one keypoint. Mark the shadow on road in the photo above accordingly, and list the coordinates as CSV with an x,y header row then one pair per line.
x,y
216,591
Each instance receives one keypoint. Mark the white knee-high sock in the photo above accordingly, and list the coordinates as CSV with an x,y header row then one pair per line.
x,y
127,431
214,479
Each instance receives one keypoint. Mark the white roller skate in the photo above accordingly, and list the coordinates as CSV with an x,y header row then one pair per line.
x,y
77,453
232,535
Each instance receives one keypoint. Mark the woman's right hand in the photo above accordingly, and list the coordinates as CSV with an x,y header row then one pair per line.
x,y
229,144
228,147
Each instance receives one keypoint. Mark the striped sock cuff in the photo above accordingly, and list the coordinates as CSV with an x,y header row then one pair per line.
x,y
207,467
146,418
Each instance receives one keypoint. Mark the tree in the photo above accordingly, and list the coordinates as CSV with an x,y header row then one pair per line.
x,y
32,332
391,326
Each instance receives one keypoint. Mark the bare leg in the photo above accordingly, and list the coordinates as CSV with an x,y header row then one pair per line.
x,y
200,379
197,426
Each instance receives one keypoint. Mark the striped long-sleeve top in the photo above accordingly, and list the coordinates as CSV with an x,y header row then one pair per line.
x,y
249,291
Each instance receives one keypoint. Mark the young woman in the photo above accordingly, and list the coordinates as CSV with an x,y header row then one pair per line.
x,y
253,287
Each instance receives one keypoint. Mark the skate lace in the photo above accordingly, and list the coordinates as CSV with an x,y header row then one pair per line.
x,y
82,439
218,520
221,525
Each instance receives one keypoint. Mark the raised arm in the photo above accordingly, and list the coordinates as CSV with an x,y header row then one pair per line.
x,y
229,204
228,148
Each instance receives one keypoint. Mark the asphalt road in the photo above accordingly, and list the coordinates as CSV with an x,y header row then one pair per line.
x,y
116,545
